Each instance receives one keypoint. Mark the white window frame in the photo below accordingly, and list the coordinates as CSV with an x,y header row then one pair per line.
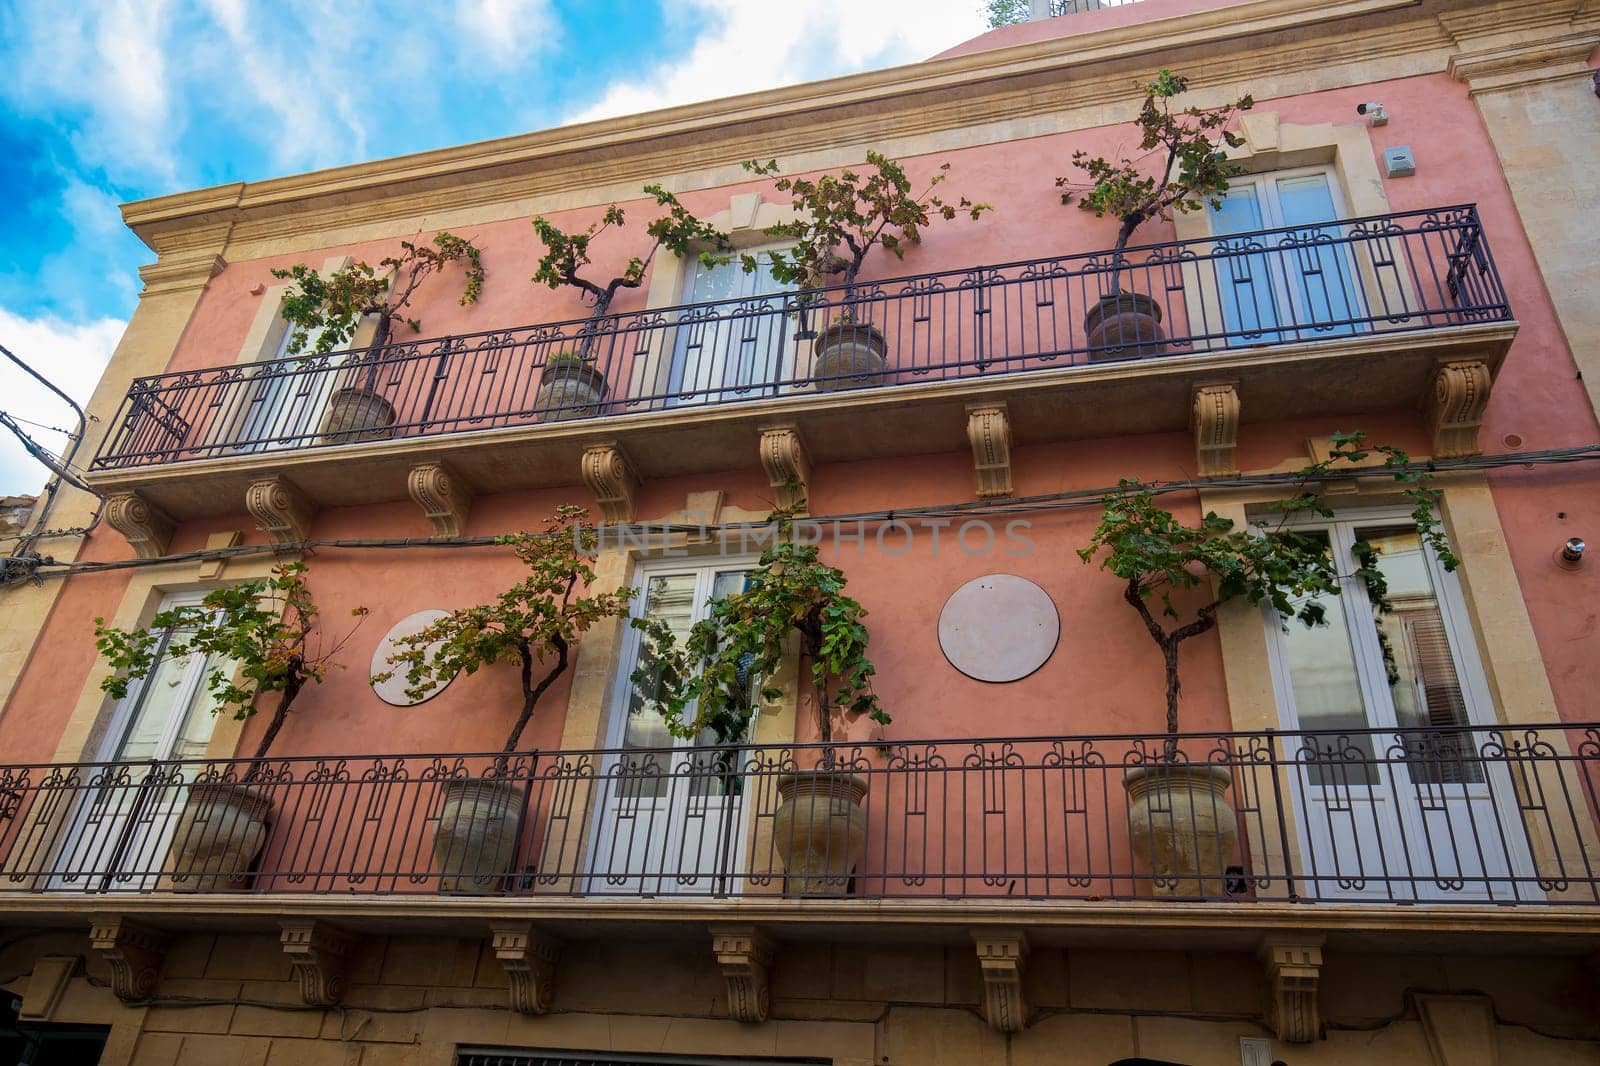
x,y
1481,711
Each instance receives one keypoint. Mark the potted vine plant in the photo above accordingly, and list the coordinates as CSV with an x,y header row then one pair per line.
x,y
534,625
1181,825
323,313
1189,146
841,218
704,684
259,637
571,385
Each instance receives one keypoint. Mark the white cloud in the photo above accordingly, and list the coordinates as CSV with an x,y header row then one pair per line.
x,y
506,30
316,124
753,46
107,61
73,357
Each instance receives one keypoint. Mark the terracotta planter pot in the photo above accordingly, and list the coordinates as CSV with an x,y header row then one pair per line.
x,y
820,831
1126,325
220,833
849,355
1181,826
569,390
357,414
476,839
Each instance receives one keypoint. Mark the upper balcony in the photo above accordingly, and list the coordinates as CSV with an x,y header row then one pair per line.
x,y
1347,317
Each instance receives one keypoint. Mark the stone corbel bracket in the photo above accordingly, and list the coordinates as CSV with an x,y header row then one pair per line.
x,y
611,478
134,952
529,957
989,432
282,509
1214,417
1002,957
1454,406
1460,1029
745,954
444,498
788,467
319,954
1294,969
145,526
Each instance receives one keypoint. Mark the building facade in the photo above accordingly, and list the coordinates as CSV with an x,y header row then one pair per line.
x,y
1408,869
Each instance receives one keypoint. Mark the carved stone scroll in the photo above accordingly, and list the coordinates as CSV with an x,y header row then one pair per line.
x,y
529,957
989,432
1454,406
610,477
1002,956
783,457
145,526
745,955
1215,420
134,952
319,954
442,495
281,508
1294,968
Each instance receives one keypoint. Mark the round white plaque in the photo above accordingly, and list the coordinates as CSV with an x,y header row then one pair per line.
x,y
999,627
393,691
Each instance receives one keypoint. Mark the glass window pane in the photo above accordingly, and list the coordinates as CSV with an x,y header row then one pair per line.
x,y
1321,661
1306,199
1244,277
1418,663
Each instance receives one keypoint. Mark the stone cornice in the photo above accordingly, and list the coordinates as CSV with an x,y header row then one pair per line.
x,y
1546,925
1505,45
1024,79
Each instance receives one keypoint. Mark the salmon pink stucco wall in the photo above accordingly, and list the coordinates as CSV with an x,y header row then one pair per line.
x,y
1105,674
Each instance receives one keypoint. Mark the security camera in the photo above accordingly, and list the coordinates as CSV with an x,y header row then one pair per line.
x,y
1374,113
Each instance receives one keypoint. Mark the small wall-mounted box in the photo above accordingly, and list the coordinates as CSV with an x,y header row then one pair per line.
x,y
1398,162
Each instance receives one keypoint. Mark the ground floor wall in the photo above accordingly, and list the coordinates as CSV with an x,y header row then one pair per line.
x,y
232,998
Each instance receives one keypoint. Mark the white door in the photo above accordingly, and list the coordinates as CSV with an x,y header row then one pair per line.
x,y
735,350
127,809
286,397
1299,285
1395,800
671,813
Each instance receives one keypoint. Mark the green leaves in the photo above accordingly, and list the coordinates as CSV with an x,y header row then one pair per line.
x,y
566,254
1160,558
256,631
1194,170
844,216
324,311
745,637
537,620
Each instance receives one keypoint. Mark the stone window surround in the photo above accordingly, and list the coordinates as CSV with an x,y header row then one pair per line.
x,y
147,588
1514,671
745,221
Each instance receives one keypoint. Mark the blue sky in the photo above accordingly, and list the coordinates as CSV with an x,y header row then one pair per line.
x,y
107,101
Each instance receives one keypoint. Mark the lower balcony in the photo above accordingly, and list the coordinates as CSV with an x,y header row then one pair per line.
x,y
1501,817
1350,317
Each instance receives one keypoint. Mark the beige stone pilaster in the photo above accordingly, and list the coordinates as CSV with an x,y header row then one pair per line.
x,y
1526,64
172,288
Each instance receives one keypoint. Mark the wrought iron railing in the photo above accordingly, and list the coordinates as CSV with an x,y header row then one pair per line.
x,y
1408,271
1473,815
